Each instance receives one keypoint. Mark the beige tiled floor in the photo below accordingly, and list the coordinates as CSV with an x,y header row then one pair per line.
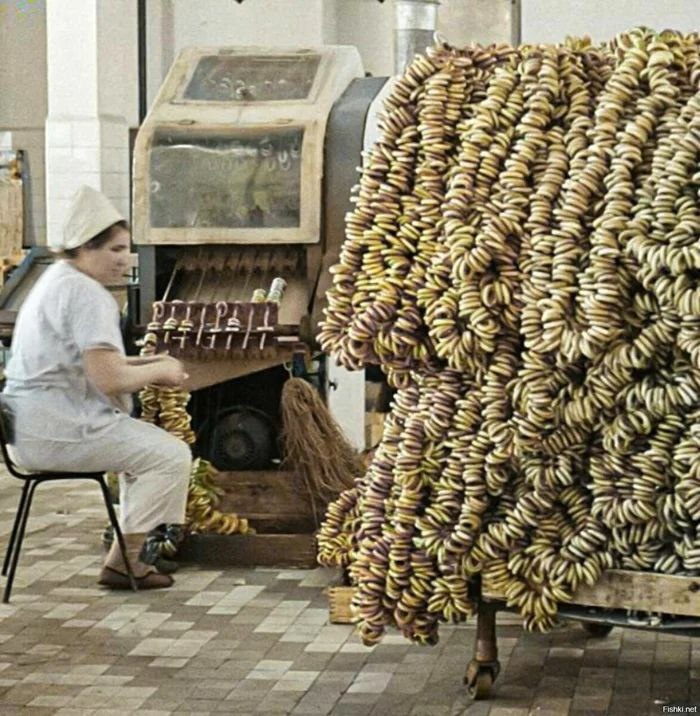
x,y
252,641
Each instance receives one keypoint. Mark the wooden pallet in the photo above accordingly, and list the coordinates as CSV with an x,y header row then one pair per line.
x,y
641,591
616,589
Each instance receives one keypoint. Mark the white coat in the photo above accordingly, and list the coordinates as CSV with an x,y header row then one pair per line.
x,y
62,422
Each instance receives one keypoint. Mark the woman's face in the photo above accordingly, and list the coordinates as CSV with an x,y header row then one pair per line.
x,y
110,262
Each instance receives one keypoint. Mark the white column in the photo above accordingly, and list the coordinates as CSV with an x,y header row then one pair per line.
x,y
92,101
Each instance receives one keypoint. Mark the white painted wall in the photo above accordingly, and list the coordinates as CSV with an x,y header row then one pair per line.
x,y
553,20
253,22
173,24
329,21
23,101
22,63
160,45
461,22
368,25
72,60
117,57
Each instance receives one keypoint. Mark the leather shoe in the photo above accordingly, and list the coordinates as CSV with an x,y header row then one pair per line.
x,y
115,579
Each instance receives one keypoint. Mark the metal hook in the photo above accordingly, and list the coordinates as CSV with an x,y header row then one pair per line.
x,y
234,325
265,328
202,323
221,309
249,327
158,311
185,329
170,323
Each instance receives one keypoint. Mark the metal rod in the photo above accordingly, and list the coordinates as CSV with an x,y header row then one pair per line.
x,y
516,30
616,617
486,646
415,21
142,59
171,280
202,323
203,269
233,324
249,327
199,285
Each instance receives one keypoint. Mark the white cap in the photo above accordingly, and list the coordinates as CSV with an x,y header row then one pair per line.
x,y
89,213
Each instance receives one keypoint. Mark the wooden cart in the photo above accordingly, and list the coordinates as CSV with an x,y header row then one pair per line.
x,y
624,598
638,600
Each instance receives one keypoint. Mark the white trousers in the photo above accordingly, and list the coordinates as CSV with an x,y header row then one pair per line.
x,y
154,468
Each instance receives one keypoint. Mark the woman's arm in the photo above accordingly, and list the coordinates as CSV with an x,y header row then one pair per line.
x,y
143,360
111,373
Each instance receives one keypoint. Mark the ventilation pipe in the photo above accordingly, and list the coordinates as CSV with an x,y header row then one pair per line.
x,y
415,23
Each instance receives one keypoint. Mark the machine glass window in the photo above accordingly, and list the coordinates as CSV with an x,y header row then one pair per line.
x,y
248,180
240,78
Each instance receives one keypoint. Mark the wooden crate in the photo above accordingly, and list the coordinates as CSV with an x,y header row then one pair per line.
x,y
276,504
273,501
339,599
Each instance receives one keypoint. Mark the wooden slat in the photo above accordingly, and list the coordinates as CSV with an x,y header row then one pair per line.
x,y
643,591
276,524
646,591
8,318
205,373
263,492
290,550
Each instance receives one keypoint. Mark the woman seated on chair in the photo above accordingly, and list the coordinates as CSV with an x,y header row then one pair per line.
x,y
68,383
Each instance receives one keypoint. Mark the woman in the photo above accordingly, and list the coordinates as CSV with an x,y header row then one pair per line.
x,y
68,383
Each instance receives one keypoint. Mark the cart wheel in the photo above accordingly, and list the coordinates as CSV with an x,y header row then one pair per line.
x,y
480,677
596,630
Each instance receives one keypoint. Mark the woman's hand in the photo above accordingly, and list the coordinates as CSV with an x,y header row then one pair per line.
x,y
112,373
173,373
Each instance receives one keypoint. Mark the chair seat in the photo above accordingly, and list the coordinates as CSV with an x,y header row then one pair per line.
x,y
31,480
58,475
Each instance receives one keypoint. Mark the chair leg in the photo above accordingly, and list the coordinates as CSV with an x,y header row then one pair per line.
x,y
117,530
13,534
18,541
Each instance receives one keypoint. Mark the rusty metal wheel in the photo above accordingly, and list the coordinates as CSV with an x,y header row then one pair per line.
x,y
479,678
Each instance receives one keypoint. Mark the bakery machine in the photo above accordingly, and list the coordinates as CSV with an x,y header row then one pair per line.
x,y
242,176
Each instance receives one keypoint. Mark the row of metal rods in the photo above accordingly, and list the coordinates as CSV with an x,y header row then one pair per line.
x,y
203,274
233,323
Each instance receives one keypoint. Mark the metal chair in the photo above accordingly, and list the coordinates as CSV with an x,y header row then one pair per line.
x,y
31,480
